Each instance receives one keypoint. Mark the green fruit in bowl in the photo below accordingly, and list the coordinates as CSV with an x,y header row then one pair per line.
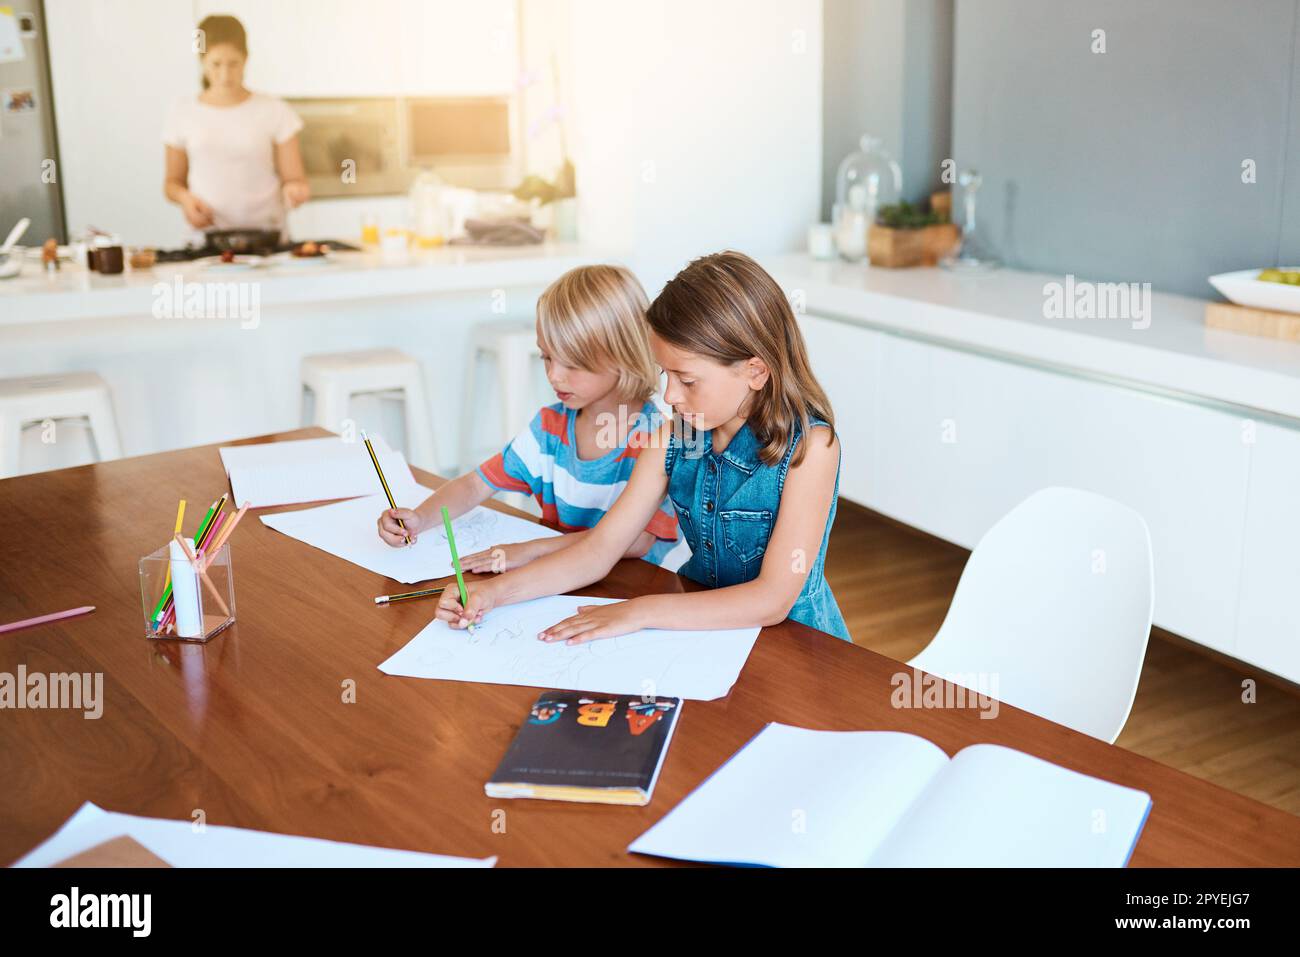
x,y
1290,277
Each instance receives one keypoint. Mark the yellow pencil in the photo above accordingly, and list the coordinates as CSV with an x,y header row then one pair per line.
x,y
180,517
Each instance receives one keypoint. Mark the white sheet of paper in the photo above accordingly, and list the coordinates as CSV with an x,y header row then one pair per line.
x,y
504,650
347,530
177,843
847,788
311,470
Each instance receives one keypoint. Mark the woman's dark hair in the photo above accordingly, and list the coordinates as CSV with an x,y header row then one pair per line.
x,y
221,28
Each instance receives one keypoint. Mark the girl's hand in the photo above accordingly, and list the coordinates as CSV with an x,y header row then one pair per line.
x,y
593,622
482,599
500,558
392,533
197,213
296,192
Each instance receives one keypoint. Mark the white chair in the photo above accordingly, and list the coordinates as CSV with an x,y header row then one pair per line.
x,y
334,379
512,346
1055,605
61,396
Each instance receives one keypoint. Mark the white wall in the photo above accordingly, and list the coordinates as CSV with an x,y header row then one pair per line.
x,y
697,126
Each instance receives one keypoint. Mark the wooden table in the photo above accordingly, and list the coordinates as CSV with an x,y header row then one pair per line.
x,y
252,729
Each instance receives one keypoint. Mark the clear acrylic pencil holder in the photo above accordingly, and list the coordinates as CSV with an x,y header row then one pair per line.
x,y
184,601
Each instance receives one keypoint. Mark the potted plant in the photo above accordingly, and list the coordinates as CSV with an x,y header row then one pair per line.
x,y
906,235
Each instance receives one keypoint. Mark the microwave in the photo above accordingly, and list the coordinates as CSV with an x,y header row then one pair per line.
x,y
373,146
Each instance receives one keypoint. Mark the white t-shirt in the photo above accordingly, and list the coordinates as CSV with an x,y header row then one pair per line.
x,y
231,152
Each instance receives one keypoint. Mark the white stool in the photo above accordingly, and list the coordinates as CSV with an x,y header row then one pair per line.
x,y
336,377
60,396
513,347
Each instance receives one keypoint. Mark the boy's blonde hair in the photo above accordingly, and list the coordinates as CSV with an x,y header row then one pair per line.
x,y
593,318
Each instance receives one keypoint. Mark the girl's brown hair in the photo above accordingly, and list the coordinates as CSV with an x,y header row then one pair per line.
x,y
727,308
593,318
220,28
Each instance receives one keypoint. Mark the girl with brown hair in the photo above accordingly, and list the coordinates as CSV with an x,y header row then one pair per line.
x,y
751,466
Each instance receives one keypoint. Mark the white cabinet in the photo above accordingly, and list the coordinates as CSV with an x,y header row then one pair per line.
x,y
919,480
845,359
963,438
1268,620
453,48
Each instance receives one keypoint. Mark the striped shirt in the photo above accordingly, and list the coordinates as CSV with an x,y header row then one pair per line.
x,y
574,493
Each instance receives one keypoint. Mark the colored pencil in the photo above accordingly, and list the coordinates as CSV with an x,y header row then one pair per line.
x,y
455,562
384,482
160,610
224,534
407,596
43,619
180,517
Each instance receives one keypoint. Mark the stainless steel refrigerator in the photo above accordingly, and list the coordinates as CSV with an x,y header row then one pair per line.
x,y
30,176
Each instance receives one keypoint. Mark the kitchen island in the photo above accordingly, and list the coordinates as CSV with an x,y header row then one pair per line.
x,y
196,353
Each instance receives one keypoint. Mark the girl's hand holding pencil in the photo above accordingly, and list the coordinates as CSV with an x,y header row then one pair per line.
x,y
479,602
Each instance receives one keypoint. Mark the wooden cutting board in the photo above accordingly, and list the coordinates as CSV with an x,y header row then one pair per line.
x,y
1253,322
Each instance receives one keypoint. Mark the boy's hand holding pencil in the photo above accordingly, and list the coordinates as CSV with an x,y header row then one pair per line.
x,y
391,522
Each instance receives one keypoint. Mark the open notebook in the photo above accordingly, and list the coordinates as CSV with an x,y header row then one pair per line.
x,y
798,798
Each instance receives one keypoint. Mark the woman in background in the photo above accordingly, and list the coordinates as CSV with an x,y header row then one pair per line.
x,y
232,155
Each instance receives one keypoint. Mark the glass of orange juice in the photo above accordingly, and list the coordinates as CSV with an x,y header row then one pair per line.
x,y
370,230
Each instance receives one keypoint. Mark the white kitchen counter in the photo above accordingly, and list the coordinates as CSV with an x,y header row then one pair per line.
x,y
188,380
1002,313
74,293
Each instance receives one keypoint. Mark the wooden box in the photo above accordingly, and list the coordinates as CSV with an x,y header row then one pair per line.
x,y
900,248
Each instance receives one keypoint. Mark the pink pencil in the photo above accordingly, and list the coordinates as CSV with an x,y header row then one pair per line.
x,y
43,619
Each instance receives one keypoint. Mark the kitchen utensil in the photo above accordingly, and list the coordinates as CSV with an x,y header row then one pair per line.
x,y
15,234
250,241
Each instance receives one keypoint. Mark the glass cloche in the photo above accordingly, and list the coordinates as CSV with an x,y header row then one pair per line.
x,y
867,180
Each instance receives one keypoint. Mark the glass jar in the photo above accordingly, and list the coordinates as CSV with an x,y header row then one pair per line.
x,y
867,180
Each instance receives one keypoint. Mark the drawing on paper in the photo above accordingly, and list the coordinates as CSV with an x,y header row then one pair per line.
x,y
475,532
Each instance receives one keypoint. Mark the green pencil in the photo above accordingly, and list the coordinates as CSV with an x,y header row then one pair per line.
x,y
203,525
455,563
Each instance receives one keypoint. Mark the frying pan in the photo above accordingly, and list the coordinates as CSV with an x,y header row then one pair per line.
x,y
244,241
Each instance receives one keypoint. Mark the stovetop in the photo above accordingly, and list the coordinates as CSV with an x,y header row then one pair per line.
x,y
190,253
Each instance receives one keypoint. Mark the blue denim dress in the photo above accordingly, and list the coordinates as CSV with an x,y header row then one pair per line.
x,y
727,504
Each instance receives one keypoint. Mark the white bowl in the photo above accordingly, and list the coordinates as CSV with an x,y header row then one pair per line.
x,y
1245,289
